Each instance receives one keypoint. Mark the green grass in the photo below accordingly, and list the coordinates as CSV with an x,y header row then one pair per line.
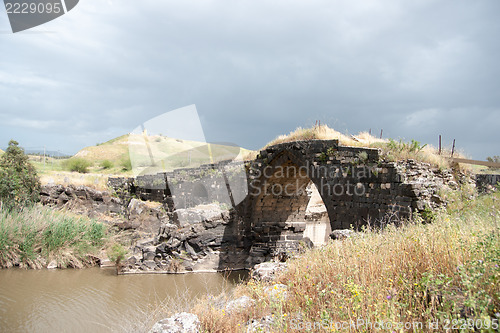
x,y
416,273
106,164
50,164
38,235
77,164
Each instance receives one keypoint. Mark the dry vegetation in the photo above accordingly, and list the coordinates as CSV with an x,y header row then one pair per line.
x,y
391,150
93,180
324,132
113,150
415,273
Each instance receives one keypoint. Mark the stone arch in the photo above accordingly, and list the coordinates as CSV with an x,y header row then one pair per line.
x,y
280,204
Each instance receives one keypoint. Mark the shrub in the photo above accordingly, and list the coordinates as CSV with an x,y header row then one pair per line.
x,y
126,164
323,157
494,159
19,183
106,164
78,164
363,156
116,254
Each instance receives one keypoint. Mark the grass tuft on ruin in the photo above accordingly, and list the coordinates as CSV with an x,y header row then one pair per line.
x,y
391,150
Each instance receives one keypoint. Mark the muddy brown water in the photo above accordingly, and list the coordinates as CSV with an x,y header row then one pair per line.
x,y
97,300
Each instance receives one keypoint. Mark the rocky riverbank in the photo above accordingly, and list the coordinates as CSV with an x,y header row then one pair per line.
x,y
204,238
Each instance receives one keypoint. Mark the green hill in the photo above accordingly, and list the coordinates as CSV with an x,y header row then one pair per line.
x,y
113,150
154,153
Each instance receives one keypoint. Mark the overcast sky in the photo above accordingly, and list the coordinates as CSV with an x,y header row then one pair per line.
x,y
256,69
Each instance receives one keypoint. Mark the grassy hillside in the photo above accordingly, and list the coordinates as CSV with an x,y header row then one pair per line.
x,y
113,150
1,152
156,153
168,153
147,154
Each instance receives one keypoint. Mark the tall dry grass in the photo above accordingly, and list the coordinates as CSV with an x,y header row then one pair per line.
x,y
93,180
391,150
324,132
407,275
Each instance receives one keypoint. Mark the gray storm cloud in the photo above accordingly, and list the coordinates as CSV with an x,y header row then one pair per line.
x,y
256,69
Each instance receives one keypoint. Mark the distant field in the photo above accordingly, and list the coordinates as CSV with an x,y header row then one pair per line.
x,y
148,154
157,153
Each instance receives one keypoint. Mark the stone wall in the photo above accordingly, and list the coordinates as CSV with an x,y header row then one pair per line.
x,y
487,182
82,199
206,220
189,187
356,187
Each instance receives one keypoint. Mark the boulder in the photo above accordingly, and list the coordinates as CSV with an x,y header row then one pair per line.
x,y
342,234
145,217
136,208
179,323
267,270
52,265
239,304
276,292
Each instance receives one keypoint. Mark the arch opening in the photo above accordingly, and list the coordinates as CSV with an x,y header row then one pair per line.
x,y
318,226
290,208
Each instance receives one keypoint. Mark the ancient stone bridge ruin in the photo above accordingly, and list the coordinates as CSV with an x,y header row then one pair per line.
x,y
295,194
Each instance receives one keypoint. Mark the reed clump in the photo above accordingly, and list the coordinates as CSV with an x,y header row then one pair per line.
x,y
34,236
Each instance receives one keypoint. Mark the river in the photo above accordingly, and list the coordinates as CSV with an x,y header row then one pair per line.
x,y
97,300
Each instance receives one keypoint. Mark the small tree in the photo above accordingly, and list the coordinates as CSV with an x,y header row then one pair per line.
x,y
19,183
106,164
494,159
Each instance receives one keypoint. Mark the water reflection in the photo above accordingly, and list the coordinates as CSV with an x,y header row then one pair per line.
x,y
96,300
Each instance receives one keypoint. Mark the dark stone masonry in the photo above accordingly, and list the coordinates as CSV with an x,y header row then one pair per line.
x,y
487,182
235,215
